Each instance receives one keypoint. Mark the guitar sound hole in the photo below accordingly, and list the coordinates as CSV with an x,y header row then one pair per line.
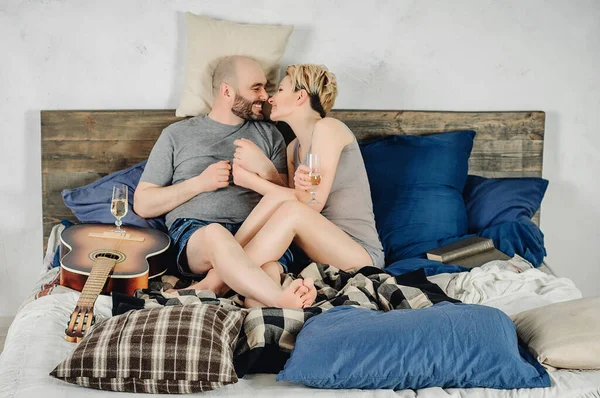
x,y
108,255
111,255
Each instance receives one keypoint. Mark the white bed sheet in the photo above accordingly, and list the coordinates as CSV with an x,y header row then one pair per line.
x,y
35,344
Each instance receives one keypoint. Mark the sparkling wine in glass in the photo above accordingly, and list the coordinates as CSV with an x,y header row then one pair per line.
x,y
314,175
119,204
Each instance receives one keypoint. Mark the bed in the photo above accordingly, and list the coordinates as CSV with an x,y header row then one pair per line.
x,y
79,147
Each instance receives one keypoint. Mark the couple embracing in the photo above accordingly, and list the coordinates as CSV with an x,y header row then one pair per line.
x,y
236,234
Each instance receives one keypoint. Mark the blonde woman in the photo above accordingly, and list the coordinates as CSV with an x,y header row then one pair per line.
x,y
340,228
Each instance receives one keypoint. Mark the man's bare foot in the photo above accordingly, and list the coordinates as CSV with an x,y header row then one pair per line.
x,y
211,282
202,285
309,297
251,303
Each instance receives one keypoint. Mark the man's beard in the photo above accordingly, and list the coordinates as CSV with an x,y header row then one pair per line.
x,y
243,108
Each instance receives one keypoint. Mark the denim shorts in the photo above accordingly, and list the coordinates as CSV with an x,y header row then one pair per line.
x,y
183,228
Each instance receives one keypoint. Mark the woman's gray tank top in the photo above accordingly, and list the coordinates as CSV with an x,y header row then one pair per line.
x,y
349,204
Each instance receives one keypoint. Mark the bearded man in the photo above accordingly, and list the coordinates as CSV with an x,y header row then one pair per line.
x,y
188,174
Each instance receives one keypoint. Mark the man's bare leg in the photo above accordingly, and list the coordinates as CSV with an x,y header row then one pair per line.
x,y
255,221
199,263
215,244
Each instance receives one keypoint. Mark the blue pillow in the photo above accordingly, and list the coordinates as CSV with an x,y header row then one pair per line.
x,y
91,203
492,201
523,238
416,186
446,345
430,267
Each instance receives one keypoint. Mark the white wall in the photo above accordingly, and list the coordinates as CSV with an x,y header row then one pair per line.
x,y
431,55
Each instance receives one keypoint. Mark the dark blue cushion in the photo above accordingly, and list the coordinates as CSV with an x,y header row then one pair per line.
x,y
416,186
446,345
492,201
430,267
523,238
91,203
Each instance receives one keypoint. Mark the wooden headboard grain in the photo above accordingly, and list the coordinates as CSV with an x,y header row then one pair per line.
x,y
79,147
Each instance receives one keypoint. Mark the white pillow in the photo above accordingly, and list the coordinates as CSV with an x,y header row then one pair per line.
x,y
210,39
563,335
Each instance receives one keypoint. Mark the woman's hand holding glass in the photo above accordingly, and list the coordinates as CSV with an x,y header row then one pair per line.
x,y
308,176
302,179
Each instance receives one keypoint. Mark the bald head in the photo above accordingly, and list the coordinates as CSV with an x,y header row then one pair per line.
x,y
239,87
228,71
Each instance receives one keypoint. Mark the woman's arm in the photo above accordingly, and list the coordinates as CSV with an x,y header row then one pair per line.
x,y
330,137
291,162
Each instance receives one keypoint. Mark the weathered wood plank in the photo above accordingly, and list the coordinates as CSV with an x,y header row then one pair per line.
x,y
506,156
93,156
488,125
506,174
147,124
122,125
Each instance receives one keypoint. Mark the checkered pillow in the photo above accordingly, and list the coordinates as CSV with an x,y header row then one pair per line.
x,y
173,349
268,337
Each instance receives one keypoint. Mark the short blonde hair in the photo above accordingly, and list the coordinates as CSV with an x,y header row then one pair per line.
x,y
319,83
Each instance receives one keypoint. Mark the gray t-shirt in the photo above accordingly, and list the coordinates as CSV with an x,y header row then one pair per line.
x,y
185,149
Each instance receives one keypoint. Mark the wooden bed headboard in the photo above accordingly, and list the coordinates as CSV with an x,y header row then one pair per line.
x,y
79,147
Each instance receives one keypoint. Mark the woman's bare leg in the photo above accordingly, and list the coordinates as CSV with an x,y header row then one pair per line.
x,y
274,270
261,214
322,240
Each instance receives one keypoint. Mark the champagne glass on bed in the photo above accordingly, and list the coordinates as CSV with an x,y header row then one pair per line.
x,y
119,205
314,175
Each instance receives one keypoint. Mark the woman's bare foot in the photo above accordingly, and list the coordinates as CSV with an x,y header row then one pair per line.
x,y
289,298
309,297
301,291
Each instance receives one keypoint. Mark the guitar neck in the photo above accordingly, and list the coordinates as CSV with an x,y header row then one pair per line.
x,y
95,282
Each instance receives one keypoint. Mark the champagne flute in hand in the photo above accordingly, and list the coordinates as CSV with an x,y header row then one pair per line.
x,y
314,175
119,204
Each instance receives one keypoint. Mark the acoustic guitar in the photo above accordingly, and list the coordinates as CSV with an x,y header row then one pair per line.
x,y
95,260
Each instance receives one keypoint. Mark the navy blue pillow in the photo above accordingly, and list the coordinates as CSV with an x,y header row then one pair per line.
x,y
416,186
491,201
430,267
446,345
523,238
91,203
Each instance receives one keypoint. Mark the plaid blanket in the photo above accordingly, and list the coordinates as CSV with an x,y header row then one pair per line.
x,y
269,334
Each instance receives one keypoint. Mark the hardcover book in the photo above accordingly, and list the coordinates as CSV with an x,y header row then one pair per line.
x,y
471,252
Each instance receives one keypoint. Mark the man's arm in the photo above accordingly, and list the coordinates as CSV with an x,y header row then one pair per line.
x,y
151,200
